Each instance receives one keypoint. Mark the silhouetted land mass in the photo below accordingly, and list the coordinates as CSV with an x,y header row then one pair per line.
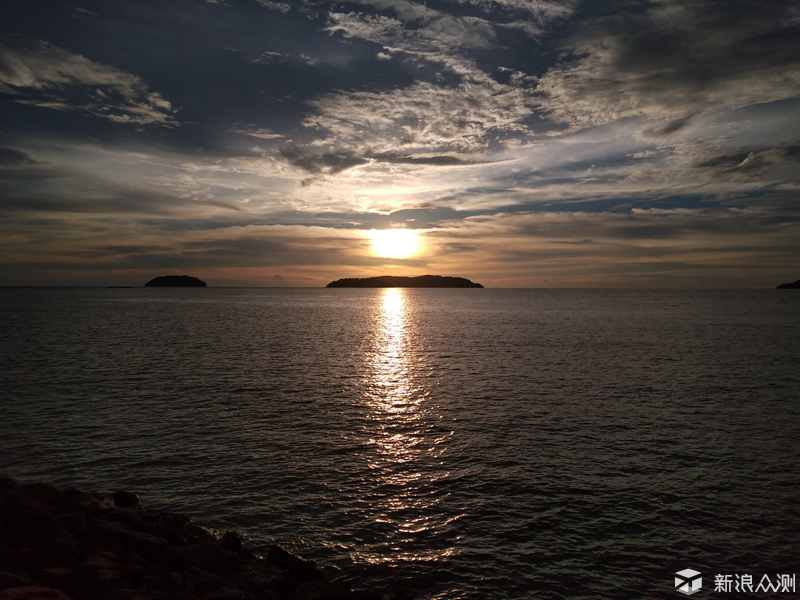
x,y
175,281
789,286
71,545
390,281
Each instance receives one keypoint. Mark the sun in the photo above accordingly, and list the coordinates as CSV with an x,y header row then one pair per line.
x,y
394,243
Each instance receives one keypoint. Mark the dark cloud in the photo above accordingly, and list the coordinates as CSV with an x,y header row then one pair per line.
x,y
750,163
668,129
666,61
572,242
441,160
14,158
326,163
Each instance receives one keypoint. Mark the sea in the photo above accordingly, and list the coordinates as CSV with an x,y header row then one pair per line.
x,y
455,443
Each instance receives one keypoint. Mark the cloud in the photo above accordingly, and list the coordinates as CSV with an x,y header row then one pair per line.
x,y
539,10
536,10
675,59
258,132
422,117
444,160
14,158
40,74
651,247
281,7
327,163
666,129
748,165
454,105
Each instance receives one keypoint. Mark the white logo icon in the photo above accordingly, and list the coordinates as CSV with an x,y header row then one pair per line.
x,y
688,581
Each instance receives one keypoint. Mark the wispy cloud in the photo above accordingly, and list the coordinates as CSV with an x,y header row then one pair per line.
x,y
40,74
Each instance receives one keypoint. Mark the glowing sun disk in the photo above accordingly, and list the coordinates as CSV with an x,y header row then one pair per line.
x,y
394,243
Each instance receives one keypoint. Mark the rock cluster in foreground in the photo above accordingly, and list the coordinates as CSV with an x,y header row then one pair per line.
x,y
66,544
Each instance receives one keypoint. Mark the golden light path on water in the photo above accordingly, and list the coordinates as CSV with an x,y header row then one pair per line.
x,y
406,442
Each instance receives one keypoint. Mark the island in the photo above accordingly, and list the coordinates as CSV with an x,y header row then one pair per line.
x,y
393,281
175,281
789,286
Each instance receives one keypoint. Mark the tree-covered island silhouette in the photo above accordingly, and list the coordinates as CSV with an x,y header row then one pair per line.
x,y
396,281
789,286
175,281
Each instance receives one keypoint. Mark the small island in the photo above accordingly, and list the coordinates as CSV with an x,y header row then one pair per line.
x,y
175,281
392,281
789,286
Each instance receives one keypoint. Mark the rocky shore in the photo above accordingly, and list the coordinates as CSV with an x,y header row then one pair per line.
x,y
72,545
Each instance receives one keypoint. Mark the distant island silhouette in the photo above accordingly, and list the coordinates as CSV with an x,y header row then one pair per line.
x,y
789,286
175,281
393,281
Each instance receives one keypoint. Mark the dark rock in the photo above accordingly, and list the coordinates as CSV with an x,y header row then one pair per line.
x,y
301,569
206,556
202,582
10,580
232,541
175,281
48,554
125,499
61,545
789,286
77,501
101,564
153,581
32,528
42,492
57,577
176,581
72,520
392,281
8,555
101,504
138,542
131,594
364,595
176,529
228,593
158,595
7,484
321,590
33,593
127,557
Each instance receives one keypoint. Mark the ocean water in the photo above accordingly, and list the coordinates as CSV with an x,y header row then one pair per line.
x,y
497,444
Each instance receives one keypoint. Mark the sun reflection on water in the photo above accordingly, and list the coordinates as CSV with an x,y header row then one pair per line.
x,y
404,440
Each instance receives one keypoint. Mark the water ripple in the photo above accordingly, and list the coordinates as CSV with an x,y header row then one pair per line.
x,y
460,443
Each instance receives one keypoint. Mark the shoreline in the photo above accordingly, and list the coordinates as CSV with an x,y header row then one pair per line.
x,y
71,545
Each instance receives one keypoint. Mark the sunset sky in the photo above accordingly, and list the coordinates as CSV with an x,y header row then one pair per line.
x,y
521,143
